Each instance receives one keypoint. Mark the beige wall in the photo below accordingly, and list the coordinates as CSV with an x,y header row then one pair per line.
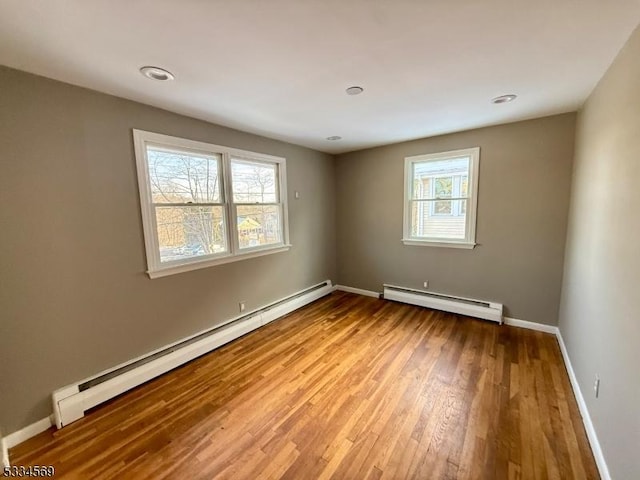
x,y
525,173
600,310
73,295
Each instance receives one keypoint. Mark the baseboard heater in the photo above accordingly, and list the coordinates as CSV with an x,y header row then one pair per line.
x,y
70,402
438,301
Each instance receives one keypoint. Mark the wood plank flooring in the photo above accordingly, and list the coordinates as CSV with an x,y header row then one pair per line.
x,y
349,387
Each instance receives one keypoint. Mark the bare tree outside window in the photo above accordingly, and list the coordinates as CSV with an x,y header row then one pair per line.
x,y
185,190
204,205
256,197
190,212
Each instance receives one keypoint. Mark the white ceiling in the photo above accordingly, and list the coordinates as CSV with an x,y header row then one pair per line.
x,y
279,68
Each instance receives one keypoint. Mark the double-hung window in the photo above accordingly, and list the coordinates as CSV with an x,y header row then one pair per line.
x,y
205,204
441,192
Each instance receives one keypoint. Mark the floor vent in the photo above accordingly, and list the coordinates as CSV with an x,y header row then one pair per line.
x,y
70,402
438,301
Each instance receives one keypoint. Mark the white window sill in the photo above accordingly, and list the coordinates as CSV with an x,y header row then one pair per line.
x,y
196,265
432,243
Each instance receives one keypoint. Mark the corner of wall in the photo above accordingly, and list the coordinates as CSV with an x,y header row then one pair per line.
x,y
596,325
592,436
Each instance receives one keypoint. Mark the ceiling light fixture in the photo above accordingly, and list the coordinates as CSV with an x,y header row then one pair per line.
x,y
354,90
504,98
333,138
156,73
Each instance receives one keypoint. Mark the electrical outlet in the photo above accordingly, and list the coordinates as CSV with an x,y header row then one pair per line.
x,y
242,306
426,284
596,385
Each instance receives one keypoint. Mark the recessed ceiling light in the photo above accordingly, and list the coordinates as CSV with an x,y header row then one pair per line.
x,y
504,98
156,73
333,138
354,90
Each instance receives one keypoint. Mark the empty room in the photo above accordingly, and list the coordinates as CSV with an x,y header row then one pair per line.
x,y
305,239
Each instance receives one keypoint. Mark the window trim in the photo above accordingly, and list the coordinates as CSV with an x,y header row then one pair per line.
x,y
469,241
155,268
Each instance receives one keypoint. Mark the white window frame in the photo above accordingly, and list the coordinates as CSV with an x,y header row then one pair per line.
x,y
472,199
155,268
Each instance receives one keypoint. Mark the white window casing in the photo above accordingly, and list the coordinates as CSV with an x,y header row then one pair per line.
x,y
422,225
230,249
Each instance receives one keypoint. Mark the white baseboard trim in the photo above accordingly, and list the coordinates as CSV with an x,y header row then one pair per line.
x,y
5,453
27,432
357,291
584,411
540,327
603,469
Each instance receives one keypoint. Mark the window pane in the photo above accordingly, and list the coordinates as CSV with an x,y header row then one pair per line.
x,y
443,187
183,177
442,208
259,225
434,178
425,223
254,182
186,232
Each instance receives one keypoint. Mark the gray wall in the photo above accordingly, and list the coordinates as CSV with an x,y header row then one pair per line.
x,y
73,293
525,174
600,309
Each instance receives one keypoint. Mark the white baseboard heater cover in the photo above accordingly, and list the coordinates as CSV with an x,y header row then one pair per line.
x,y
70,402
438,301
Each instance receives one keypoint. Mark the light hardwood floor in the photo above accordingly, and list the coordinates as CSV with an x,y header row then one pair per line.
x,y
349,387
